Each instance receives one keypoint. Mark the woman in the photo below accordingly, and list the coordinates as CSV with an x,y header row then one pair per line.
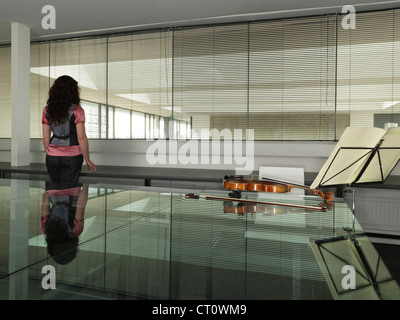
x,y
68,146
62,220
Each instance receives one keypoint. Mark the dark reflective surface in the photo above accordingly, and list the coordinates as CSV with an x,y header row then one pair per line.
x,y
147,243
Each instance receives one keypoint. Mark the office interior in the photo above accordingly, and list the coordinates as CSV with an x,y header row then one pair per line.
x,y
173,108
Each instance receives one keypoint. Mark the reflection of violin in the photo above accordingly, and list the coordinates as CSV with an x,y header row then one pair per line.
x,y
322,206
243,208
240,209
268,185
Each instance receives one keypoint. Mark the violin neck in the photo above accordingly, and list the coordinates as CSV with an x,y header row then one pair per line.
x,y
314,191
291,184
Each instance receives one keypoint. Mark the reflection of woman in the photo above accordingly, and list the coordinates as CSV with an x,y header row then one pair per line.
x,y
62,219
68,146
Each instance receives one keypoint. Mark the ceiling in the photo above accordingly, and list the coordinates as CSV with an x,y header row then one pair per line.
x,y
90,17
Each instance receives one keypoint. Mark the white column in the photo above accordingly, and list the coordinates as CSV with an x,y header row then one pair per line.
x,y
20,95
18,240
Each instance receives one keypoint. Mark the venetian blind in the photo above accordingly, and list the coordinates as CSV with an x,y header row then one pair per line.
x,y
39,58
5,92
210,77
368,69
139,79
275,77
292,79
82,59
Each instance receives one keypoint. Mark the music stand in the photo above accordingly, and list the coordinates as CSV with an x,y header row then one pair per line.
x,y
372,278
361,156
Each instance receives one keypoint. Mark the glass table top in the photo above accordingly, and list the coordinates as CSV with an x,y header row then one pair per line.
x,y
143,243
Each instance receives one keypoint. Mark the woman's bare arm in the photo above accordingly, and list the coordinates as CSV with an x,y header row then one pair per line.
x,y
84,145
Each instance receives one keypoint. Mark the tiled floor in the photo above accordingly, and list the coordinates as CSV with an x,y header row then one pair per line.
x,y
153,243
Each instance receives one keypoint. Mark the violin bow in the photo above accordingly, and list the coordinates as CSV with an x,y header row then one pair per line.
x,y
207,197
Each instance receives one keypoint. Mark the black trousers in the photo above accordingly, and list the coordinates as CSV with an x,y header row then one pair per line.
x,y
64,169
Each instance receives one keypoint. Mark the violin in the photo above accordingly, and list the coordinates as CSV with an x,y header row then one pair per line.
x,y
239,184
244,208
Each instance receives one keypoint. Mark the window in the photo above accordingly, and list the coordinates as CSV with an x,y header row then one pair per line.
x,y
211,77
138,125
91,119
291,79
122,124
82,59
368,68
103,122
110,123
286,79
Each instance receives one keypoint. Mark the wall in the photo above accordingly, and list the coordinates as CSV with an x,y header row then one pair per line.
x,y
309,155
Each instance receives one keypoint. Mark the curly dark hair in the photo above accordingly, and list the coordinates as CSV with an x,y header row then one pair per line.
x,y
62,94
